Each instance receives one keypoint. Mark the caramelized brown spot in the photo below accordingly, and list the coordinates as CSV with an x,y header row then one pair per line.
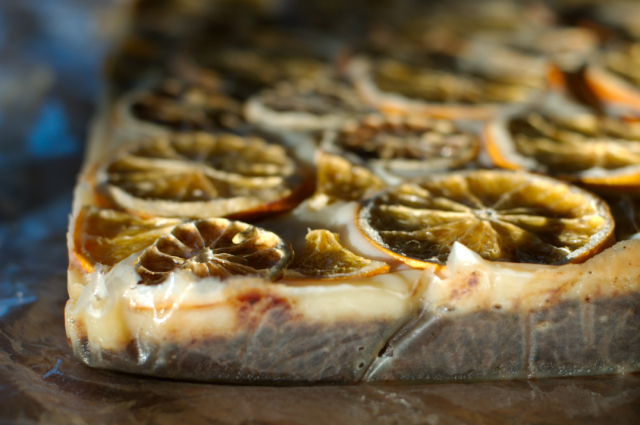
x,y
250,297
473,280
254,296
255,303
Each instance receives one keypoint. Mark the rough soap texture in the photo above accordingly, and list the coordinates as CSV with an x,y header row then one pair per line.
x,y
570,338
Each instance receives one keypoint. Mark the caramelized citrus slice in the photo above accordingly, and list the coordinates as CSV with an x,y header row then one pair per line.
x,y
501,215
325,258
177,105
199,175
600,151
404,145
107,236
215,247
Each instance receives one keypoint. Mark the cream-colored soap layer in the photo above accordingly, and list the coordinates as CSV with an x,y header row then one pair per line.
x,y
471,284
113,308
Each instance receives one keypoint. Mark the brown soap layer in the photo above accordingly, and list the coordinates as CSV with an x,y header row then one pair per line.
x,y
280,348
585,337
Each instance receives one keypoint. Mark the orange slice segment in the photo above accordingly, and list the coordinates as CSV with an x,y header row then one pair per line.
x,y
107,236
199,175
215,247
324,258
501,215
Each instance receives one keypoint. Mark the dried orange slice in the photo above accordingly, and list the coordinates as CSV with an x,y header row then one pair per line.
x,y
510,40
400,146
215,247
434,84
570,143
257,60
566,47
107,236
516,50
439,82
176,105
497,16
614,77
307,105
613,74
201,175
610,19
501,215
340,180
324,258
